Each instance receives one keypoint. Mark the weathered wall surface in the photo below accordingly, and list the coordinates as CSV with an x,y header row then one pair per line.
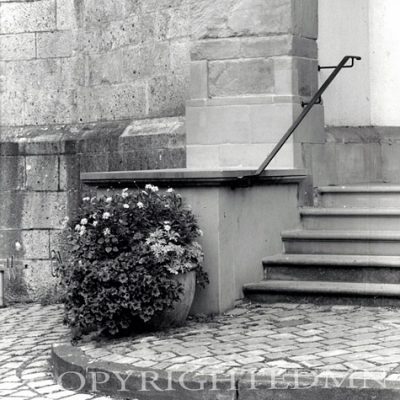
x,y
253,62
357,155
38,188
71,61
74,74
100,85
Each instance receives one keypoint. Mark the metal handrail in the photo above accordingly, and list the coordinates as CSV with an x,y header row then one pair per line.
x,y
316,99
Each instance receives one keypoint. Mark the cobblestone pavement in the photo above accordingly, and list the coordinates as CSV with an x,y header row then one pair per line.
x,y
256,339
26,336
283,337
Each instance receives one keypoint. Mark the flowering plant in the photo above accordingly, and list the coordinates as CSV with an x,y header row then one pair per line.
x,y
122,252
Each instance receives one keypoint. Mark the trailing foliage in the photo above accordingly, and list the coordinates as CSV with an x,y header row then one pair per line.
x,y
122,253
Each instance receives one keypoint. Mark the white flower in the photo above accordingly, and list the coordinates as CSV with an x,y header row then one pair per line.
x,y
65,222
82,231
140,204
18,246
200,232
167,227
95,223
151,187
124,195
170,190
126,205
108,199
107,231
84,221
106,215
86,199
125,190
77,227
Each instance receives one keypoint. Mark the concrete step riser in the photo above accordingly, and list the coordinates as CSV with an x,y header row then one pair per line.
x,y
351,223
363,247
365,200
333,274
272,297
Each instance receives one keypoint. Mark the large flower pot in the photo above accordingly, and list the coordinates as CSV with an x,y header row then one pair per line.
x,y
178,315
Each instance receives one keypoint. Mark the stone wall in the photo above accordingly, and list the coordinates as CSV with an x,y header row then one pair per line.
x,y
356,155
253,62
85,85
70,61
38,188
101,85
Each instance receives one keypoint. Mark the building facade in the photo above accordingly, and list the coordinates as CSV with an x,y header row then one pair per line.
x,y
118,85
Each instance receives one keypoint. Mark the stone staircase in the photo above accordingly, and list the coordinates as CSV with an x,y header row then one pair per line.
x,y
347,252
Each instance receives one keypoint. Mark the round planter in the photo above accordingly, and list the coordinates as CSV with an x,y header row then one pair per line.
x,y
178,315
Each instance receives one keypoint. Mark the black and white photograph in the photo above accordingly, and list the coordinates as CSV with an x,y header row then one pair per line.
x,y
199,200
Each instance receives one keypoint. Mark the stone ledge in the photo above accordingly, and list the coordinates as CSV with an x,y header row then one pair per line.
x,y
190,177
363,134
245,100
70,365
103,146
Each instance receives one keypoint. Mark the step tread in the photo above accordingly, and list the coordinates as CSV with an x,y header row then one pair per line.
x,y
322,287
332,260
375,188
302,234
349,211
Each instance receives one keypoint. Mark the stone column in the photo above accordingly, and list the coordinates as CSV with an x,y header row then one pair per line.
x,y
252,64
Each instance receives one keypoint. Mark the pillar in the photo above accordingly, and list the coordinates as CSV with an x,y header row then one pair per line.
x,y
252,64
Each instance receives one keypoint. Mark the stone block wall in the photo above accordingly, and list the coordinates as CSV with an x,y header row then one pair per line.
x,y
101,85
39,185
74,74
71,61
252,64
356,155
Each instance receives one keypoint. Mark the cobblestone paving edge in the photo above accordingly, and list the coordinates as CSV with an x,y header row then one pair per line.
x,y
148,383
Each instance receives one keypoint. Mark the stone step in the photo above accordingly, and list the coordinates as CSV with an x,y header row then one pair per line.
x,y
354,219
323,292
342,242
369,196
332,267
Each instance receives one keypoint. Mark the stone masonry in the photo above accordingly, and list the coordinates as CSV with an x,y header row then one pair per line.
x,y
66,61
252,64
74,74
101,85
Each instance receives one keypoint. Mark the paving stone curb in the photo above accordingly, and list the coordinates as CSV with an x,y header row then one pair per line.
x,y
74,370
